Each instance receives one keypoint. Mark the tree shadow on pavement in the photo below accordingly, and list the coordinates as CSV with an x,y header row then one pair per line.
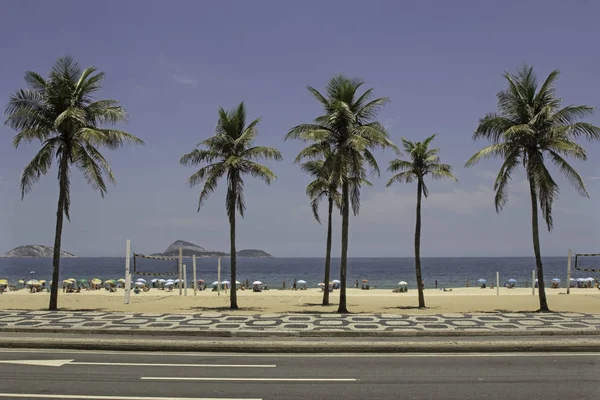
x,y
223,309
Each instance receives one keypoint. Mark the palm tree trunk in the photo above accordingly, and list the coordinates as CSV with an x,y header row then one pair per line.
x,y
233,257
60,213
328,253
536,248
342,308
418,247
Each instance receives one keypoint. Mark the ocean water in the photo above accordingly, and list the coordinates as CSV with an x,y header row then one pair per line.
x,y
381,272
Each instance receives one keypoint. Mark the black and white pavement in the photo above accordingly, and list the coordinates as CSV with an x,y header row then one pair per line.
x,y
349,323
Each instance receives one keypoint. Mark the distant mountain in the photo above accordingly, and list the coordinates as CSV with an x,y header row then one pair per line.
x,y
35,250
191,249
188,250
253,253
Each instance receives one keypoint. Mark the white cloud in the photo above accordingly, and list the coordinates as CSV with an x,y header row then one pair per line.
x,y
390,122
185,80
595,178
382,206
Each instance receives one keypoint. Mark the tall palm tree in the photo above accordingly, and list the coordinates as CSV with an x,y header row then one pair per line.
x,y
324,186
231,153
349,128
531,126
319,188
423,161
61,113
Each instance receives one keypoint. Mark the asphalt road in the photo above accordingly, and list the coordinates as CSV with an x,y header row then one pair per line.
x,y
43,374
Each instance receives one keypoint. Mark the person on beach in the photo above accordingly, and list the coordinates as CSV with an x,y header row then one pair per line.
x,y
284,285
294,287
356,284
436,283
468,284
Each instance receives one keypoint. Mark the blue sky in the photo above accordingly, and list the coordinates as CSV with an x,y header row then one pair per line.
x,y
172,64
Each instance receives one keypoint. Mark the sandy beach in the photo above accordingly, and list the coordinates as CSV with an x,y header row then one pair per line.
x,y
459,300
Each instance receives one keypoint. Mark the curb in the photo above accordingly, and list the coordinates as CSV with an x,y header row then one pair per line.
x,y
212,346
307,334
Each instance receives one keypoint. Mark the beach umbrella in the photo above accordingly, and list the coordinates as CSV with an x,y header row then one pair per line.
x,y
83,281
121,280
169,283
225,283
139,284
555,280
591,279
336,281
32,282
257,283
320,284
363,281
402,283
201,281
140,280
96,281
511,280
301,281
238,282
481,280
3,282
154,280
215,283
21,281
161,280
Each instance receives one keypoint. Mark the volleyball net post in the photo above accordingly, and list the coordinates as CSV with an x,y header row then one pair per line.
x,y
569,271
194,274
127,294
180,267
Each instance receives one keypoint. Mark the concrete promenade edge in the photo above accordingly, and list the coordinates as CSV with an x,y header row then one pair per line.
x,y
216,324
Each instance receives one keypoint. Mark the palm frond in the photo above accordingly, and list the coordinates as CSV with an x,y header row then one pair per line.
x,y
529,127
570,173
264,153
60,112
402,177
38,166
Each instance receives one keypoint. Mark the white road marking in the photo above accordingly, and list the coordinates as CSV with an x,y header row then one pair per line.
x,y
97,397
60,363
41,363
299,355
167,378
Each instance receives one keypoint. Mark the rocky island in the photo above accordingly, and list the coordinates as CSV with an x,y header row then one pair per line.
x,y
191,249
35,251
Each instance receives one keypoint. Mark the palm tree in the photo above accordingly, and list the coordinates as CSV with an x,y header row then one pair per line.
x,y
349,128
423,161
323,186
532,126
61,113
230,152
319,188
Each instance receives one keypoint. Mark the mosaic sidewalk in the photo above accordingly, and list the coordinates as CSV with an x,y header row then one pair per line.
x,y
352,323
